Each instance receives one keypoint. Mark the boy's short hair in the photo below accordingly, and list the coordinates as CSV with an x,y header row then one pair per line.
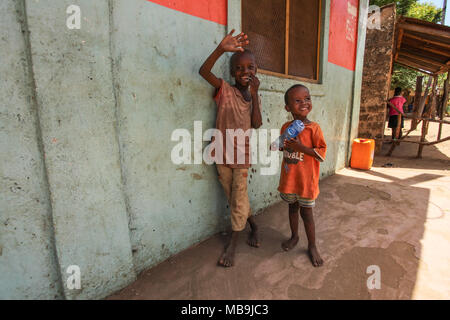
x,y
286,95
397,91
237,55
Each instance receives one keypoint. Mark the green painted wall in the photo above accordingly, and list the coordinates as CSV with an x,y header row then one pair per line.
x,y
97,109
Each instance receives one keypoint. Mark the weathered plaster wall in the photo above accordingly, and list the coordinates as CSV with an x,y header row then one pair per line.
x,y
72,70
28,263
377,77
157,53
108,97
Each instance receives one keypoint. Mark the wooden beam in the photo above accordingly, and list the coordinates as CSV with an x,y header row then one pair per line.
x,y
443,53
418,142
443,106
444,68
399,43
421,66
424,47
441,44
287,76
416,65
427,119
423,59
421,52
407,133
404,65
437,141
423,29
399,140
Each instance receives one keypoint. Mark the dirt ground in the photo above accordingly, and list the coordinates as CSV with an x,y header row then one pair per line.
x,y
436,156
395,217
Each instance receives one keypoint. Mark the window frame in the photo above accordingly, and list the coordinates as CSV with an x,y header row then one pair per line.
x,y
286,74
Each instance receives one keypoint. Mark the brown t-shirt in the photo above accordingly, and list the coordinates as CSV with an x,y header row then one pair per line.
x,y
234,113
302,176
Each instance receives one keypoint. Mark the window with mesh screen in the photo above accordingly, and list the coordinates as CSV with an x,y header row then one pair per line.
x,y
284,36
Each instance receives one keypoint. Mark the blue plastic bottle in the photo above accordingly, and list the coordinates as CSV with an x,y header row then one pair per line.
x,y
292,131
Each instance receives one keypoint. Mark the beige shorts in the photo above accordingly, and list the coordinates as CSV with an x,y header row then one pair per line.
x,y
234,183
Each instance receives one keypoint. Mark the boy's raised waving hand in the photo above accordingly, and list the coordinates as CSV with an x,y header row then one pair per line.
x,y
233,44
228,44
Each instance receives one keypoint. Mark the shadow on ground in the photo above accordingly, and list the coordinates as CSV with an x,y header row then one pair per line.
x,y
376,217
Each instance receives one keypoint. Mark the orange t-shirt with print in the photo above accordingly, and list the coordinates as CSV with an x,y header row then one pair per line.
x,y
302,174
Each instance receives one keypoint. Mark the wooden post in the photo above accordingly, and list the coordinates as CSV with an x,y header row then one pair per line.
x,y
422,138
417,97
424,99
443,106
433,98
430,109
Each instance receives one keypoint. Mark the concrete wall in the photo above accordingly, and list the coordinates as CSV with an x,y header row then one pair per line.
x,y
28,262
377,77
86,118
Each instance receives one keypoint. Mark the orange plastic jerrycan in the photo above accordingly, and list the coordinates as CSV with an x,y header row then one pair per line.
x,y
362,153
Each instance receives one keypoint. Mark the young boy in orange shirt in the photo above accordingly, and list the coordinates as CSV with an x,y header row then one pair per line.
x,y
299,180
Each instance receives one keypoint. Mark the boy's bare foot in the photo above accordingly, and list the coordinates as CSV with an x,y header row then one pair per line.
x,y
227,258
289,244
253,239
316,260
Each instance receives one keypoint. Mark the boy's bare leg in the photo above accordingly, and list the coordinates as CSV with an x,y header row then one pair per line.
x,y
227,258
293,222
253,239
308,220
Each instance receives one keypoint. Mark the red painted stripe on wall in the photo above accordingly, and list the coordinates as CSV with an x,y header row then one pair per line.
x,y
343,33
212,10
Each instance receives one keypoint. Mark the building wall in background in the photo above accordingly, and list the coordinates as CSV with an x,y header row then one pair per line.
x,y
377,77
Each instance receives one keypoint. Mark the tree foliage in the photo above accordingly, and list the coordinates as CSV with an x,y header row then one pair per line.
x,y
426,11
402,6
404,77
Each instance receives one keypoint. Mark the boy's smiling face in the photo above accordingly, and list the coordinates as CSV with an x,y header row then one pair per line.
x,y
243,68
299,103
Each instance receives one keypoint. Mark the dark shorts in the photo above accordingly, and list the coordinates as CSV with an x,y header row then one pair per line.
x,y
393,122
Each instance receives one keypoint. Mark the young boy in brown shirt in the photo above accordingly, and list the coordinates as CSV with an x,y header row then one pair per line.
x,y
238,107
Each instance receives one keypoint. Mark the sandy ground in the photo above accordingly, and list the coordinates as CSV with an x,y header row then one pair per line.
x,y
396,218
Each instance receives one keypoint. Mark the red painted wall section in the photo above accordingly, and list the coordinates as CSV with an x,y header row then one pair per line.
x,y
212,10
343,33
